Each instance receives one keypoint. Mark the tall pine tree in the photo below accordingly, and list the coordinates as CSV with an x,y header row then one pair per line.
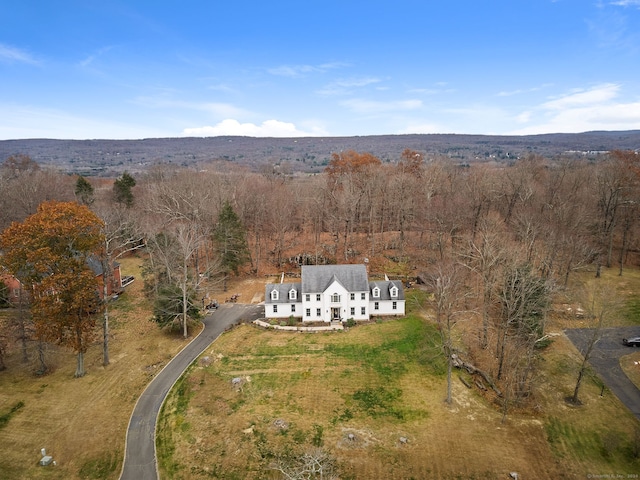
x,y
230,240
84,191
122,189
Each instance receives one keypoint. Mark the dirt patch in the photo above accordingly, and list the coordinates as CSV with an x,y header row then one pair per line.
x,y
247,289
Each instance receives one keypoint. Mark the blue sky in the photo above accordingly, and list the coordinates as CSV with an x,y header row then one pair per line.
x,y
84,69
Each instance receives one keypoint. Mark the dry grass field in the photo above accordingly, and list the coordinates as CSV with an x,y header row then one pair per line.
x,y
631,366
353,394
82,422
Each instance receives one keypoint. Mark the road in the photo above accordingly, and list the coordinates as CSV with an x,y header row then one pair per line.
x,y
140,452
605,360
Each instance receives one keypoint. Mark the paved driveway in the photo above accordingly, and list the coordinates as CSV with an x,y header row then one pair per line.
x,y
140,452
605,360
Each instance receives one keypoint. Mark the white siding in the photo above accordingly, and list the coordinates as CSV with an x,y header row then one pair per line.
x,y
385,307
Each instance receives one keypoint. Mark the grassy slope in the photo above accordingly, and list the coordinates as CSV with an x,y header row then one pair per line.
x,y
376,382
380,382
82,422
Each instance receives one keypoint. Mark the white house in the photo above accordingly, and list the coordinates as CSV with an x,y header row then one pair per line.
x,y
334,293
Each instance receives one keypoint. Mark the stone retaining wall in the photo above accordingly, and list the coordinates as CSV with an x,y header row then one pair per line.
x,y
328,328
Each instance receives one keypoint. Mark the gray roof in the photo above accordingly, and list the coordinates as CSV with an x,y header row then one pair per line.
x,y
316,278
385,286
283,292
95,265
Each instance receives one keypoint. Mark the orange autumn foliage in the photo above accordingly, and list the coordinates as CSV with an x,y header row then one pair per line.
x,y
351,162
48,252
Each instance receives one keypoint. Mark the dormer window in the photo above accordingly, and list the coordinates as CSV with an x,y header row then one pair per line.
x,y
274,294
375,292
293,294
393,291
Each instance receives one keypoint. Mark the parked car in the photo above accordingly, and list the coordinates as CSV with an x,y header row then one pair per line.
x,y
212,305
631,342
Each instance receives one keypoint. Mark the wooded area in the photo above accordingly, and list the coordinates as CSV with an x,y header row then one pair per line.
x,y
493,243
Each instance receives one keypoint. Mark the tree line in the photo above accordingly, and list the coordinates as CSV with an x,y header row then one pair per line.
x,y
494,242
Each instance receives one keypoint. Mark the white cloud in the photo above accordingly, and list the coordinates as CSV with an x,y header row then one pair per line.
x,y
598,94
91,58
511,93
524,117
425,91
437,88
221,87
12,54
372,106
582,111
214,108
626,3
344,86
221,109
295,71
268,128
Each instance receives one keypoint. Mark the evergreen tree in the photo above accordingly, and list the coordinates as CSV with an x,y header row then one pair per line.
x,y
122,189
84,191
168,307
230,239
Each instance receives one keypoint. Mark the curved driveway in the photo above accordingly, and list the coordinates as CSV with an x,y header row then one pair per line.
x,y
605,360
140,451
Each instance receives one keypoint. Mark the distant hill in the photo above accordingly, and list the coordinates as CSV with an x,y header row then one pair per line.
x,y
308,154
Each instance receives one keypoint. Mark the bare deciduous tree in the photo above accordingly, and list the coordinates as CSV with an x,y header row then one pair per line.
x,y
448,300
523,299
122,235
486,255
597,301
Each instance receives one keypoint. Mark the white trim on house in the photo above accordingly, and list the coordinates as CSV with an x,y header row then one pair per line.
x,y
334,293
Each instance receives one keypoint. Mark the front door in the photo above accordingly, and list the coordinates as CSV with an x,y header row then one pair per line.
x,y
335,314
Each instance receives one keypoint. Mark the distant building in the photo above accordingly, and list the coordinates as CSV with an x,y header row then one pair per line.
x,y
334,293
115,286
14,288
